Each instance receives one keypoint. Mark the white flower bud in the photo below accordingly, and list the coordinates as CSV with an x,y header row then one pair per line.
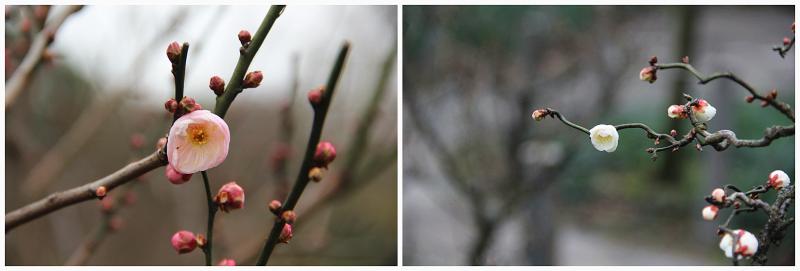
x,y
779,179
718,195
746,247
676,112
703,111
710,212
604,137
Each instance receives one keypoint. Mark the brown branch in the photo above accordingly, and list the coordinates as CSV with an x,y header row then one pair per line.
x,y
85,192
768,98
16,83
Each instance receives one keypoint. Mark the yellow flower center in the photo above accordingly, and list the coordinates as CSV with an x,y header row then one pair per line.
x,y
604,139
197,134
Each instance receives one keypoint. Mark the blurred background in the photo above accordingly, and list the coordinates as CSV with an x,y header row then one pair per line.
x,y
485,184
95,103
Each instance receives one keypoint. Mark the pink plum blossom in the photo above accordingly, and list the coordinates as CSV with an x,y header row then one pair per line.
x,y
197,141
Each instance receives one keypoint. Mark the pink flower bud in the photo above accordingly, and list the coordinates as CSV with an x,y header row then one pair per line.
x,y
315,96
171,105
324,154
315,174
685,60
227,262
289,216
673,133
773,94
286,234
718,195
275,206
786,41
648,74
184,242
230,197
677,112
710,212
189,104
539,114
778,179
100,192
137,141
252,79
244,37
197,141
173,51
217,84
176,177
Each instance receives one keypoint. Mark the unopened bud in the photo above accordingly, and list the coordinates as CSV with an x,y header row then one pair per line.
x,y
710,212
173,51
286,234
176,177
252,79
200,240
773,94
749,99
161,143
100,192
275,206
673,133
648,74
289,216
718,195
189,104
315,174
786,41
540,114
184,242
315,96
653,60
778,179
685,60
324,154
217,84
244,37
227,262
171,105
230,197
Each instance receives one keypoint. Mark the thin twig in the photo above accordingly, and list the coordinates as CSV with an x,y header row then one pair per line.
x,y
783,49
85,192
212,211
320,112
19,79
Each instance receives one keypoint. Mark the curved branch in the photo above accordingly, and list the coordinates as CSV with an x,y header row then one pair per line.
x,y
783,49
85,192
320,112
768,99
19,79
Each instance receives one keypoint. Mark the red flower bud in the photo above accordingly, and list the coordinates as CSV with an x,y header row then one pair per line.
x,y
173,51
289,216
230,197
286,234
176,177
171,105
252,79
786,41
100,192
227,262
184,242
244,37
315,96
275,206
217,84
324,154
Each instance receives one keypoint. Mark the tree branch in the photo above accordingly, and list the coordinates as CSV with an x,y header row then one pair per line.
x,y
85,192
783,49
212,211
19,79
320,112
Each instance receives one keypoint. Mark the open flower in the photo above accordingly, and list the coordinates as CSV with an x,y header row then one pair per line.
x,y
197,141
676,112
779,179
710,212
746,247
604,137
703,111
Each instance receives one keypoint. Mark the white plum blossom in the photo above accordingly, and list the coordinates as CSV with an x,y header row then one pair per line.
x,y
676,111
604,137
718,195
746,247
703,111
710,212
779,179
